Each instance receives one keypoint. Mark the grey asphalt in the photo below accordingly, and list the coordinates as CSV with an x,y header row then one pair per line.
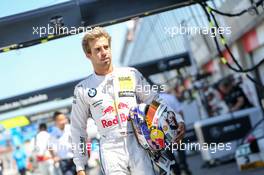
x,y
196,163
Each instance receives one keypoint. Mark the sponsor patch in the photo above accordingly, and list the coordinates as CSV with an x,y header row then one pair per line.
x,y
92,92
128,78
126,94
108,110
126,83
122,105
109,123
97,103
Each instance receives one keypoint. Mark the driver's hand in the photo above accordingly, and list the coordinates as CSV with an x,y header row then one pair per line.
x,y
81,173
56,159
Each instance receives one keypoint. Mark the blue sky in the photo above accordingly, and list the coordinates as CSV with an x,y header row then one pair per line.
x,y
50,63
10,7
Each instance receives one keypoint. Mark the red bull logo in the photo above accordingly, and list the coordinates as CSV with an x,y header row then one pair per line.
x,y
122,105
108,110
157,137
160,143
108,123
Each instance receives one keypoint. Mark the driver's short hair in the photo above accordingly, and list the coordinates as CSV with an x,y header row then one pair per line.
x,y
96,32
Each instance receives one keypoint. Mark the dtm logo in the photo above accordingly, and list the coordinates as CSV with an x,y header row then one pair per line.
x,y
108,123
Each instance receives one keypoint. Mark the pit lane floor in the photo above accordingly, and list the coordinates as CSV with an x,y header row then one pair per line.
x,y
195,164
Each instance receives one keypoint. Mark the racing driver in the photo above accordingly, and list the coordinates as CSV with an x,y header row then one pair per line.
x,y
106,96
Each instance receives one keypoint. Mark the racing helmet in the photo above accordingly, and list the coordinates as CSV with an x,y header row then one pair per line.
x,y
154,125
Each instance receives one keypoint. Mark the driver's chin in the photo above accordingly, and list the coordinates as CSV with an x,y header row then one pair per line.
x,y
106,62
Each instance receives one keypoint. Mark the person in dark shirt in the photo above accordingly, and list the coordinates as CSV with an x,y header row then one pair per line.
x,y
234,96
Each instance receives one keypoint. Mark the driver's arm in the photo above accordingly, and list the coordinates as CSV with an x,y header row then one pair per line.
x,y
79,116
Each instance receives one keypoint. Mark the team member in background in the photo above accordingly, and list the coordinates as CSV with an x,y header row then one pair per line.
x,y
107,96
43,157
233,95
20,157
60,144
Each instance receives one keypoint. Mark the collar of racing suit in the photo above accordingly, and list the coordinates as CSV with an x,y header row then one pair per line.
x,y
102,77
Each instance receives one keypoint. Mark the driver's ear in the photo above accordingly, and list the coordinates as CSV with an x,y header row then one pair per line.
x,y
88,55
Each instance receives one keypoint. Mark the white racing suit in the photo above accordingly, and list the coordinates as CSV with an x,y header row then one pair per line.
x,y
107,99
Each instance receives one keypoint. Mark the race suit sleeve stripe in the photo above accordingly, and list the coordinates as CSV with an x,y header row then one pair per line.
x,y
79,115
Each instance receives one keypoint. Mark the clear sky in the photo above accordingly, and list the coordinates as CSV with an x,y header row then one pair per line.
x,y
50,63
10,7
